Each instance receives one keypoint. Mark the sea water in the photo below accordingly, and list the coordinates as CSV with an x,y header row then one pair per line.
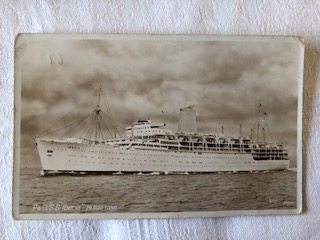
x,y
89,193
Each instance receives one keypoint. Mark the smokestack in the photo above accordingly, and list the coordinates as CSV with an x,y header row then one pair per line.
x,y
187,120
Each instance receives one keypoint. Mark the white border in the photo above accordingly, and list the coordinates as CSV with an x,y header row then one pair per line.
x,y
22,38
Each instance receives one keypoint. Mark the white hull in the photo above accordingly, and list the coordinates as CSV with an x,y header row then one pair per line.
x,y
64,156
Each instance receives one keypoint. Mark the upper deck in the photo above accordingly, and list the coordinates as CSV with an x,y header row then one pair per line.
x,y
146,129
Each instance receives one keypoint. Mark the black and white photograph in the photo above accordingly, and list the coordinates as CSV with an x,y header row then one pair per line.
x,y
157,126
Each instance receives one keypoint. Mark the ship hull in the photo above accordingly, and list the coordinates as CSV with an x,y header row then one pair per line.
x,y
64,156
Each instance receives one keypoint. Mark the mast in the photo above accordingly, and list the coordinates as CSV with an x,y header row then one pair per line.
x,y
240,130
92,126
258,122
99,94
98,111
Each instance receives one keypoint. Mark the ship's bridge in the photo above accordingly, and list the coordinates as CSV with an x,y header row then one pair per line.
x,y
146,128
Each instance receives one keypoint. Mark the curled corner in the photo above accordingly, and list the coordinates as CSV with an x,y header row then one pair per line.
x,y
300,210
300,39
19,43
19,39
16,38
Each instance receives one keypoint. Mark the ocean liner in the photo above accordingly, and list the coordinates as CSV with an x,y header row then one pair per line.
x,y
151,147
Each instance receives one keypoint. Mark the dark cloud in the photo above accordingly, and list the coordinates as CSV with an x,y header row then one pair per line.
x,y
147,83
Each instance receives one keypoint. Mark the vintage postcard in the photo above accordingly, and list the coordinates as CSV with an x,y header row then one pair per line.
x,y
146,126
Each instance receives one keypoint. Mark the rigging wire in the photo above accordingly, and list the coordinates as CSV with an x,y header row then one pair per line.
x,y
106,127
79,122
113,122
47,132
96,120
85,130
271,137
69,125
105,100
79,128
64,116
100,127
90,129
234,130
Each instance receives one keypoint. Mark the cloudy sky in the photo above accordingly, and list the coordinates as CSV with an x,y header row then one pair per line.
x,y
225,81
